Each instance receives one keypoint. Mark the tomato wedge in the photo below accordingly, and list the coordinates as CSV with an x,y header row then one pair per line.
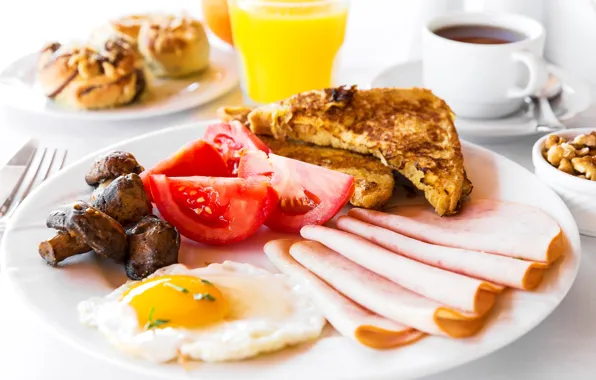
x,y
213,210
197,158
308,194
232,141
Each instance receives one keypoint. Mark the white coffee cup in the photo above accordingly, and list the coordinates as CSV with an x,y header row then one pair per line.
x,y
484,80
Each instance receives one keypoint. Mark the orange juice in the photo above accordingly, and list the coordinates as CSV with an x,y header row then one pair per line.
x,y
287,46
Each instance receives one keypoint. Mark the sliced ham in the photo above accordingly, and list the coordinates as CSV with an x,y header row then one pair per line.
x,y
382,296
502,270
348,318
445,287
504,228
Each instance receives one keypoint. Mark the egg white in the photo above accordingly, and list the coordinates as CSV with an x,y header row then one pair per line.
x,y
267,312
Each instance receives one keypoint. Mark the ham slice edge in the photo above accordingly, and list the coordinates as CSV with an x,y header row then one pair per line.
x,y
448,288
499,269
503,228
348,318
382,296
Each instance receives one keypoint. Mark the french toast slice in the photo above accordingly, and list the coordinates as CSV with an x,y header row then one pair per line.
x,y
409,130
374,182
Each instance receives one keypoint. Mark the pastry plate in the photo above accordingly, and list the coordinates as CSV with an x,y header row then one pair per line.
x,y
18,89
52,294
576,98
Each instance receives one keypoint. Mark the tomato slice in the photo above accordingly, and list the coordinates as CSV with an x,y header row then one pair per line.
x,y
213,210
197,158
308,194
232,141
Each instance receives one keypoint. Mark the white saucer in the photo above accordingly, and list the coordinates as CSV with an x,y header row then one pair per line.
x,y
18,89
576,97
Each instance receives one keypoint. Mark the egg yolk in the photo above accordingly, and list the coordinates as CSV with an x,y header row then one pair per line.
x,y
176,301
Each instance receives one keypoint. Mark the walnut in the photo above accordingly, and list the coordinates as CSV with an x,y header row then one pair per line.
x,y
109,69
585,165
555,154
553,140
74,59
583,151
88,69
576,157
568,151
565,166
588,140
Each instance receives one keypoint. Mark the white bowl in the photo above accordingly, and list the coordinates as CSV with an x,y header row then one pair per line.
x,y
579,194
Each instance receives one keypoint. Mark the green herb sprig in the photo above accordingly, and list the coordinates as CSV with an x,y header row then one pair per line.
x,y
151,323
178,288
203,296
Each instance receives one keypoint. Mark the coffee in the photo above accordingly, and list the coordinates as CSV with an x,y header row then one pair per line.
x,y
480,34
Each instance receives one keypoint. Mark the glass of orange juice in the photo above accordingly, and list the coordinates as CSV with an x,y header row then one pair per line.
x,y
286,46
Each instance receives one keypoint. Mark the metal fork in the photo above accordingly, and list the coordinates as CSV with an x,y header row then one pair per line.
x,y
45,163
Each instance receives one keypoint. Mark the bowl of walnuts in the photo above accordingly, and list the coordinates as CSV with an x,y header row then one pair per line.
x,y
566,161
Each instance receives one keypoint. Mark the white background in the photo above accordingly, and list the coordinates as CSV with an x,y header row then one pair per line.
x,y
380,33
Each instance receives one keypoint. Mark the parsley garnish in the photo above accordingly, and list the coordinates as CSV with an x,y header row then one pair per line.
x,y
206,282
203,296
178,288
151,324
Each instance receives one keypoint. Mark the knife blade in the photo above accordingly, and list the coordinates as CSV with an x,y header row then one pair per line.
x,y
12,174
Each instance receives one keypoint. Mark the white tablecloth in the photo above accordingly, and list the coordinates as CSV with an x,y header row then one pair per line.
x,y
561,347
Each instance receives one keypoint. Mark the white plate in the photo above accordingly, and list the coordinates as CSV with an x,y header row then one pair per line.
x,y
53,293
576,98
18,89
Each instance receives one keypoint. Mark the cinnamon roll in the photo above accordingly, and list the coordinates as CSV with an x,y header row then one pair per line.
x,y
174,46
88,78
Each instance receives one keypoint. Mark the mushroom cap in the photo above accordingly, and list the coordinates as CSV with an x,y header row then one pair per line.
x,y
111,166
153,244
87,224
103,234
124,199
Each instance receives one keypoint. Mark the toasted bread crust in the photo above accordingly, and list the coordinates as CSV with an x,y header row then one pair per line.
x,y
410,130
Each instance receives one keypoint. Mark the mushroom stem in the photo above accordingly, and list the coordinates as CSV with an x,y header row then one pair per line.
x,y
61,247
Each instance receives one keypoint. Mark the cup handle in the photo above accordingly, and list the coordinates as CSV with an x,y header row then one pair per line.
x,y
538,74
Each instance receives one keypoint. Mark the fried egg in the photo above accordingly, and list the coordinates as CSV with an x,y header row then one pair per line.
x,y
227,311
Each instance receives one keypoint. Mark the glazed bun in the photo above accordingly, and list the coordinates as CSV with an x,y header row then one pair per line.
x,y
126,28
89,78
174,46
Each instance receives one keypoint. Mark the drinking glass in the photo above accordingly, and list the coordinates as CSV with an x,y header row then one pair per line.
x,y
286,46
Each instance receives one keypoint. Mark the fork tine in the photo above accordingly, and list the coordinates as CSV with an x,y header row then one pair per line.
x,y
48,169
17,201
8,202
63,159
56,162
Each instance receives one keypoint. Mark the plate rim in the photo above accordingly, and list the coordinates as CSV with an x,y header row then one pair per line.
x,y
59,333
98,116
